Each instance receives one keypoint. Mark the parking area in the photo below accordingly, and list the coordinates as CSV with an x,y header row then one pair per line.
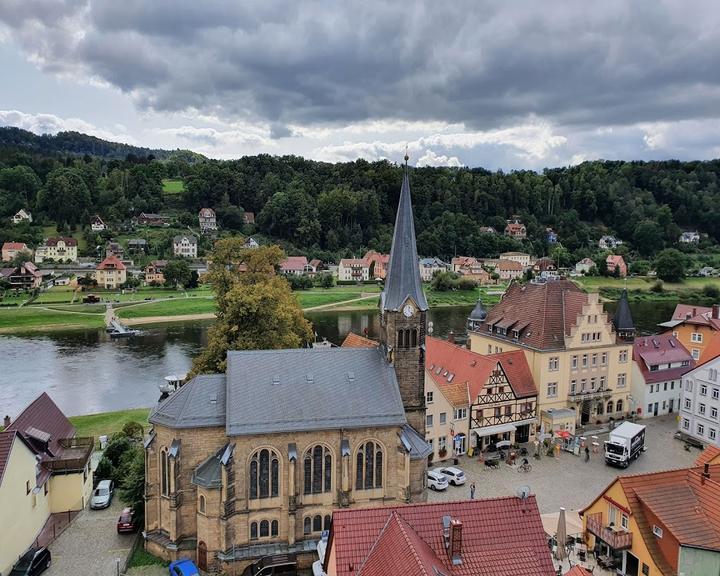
x,y
91,544
569,481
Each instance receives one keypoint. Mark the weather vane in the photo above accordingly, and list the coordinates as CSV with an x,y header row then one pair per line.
x,y
406,155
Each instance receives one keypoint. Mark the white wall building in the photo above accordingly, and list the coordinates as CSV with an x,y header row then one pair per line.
x,y
185,246
353,269
700,404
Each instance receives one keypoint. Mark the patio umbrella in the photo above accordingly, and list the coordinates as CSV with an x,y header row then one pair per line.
x,y
561,536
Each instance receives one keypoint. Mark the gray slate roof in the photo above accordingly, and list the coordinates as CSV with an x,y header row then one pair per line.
x,y
403,276
479,312
414,443
623,320
209,472
198,404
294,390
191,239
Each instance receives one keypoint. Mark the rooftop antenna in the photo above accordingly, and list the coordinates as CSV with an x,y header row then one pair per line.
x,y
406,155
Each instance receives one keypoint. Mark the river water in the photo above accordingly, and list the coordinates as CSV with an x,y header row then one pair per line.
x,y
87,372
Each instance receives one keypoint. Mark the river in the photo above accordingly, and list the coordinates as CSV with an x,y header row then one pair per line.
x,y
87,372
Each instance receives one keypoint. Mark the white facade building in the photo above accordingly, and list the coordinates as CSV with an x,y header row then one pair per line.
x,y
353,269
700,404
185,246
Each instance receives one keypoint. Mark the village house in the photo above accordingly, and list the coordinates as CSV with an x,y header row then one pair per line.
x,y
700,402
579,359
207,221
185,246
616,262
295,265
545,268
248,217
487,230
353,270
12,249
689,238
458,263
137,245
45,470
250,242
492,537
694,326
707,271
316,265
22,215
26,276
509,269
551,236
377,263
659,523
429,266
520,257
253,462
111,273
97,224
659,362
608,242
516,229
57,249
154,272
153,220
113,248
584,266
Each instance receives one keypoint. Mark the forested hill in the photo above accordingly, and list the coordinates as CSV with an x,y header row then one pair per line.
x,y
75,143
336,210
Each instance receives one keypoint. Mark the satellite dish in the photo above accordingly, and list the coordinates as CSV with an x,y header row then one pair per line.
x,y
523,492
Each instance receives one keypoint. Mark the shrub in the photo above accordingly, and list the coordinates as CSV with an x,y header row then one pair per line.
x,y
711,291
657,287
105,470
133,431
116,448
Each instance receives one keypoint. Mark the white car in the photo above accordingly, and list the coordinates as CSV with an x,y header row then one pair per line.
x,y
454,475
436,481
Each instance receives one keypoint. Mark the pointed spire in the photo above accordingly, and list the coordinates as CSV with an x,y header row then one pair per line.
x,y
403,276
623,320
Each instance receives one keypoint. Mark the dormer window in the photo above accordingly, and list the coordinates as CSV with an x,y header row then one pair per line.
x,y
516,334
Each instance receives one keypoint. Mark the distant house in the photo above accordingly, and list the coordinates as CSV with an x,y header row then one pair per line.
x,y
22,216
44,469
609,242
689,238
154,272
110,273
487,230
614,261
12,249
584,266
707,271
250,242
57,249
316,265
25,277
520,257
353,270
296,265
378,264
551,236
137,245
459,263
516,229
97,224
153,220
509,269
114,249
185,246
207,220
545,267
248,217
428,267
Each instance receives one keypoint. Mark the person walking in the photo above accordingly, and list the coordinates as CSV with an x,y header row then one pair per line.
x,y
472,491
587,454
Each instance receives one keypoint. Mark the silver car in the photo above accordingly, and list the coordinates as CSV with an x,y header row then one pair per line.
x,y
102,495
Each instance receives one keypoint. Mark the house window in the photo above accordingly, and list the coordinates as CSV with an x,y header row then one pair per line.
x,y
573,386
460,414
584,361
264,474
369,466
619,406
428,397
688,385
603,359
657,531
45,488
508,410
645,570
625,521
610,406
716,393
442,443
552,390
686,424
701,429
602,382
317,470
712,433
713,412
27,487
712,374
164,473
703,390
623,356
594,359
443,418
696,337
688,403
429,421
696,354
621,380
553,363
701,408
201,504
574,362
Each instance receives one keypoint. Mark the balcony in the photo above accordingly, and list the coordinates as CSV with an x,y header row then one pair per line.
x,y
600,394
74,455
617,538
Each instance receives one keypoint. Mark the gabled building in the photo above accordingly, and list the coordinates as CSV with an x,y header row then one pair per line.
x,y
515,229
378,264
584,266
185,246
545,268
111,273
248,217
662,523
659,363
615,262
487,230
154,272
353,270
521,257
12,249
137,245
509,269
608,242
492,537
700,402
694,326
460,263
295,265
44,469
153,220
22,215
577,357
207,221
551,236
57,249
97,224
689,238
113,248
23,277
250,242
429,266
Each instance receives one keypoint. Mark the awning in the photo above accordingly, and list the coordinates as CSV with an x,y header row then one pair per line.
x,y
572,521
497,429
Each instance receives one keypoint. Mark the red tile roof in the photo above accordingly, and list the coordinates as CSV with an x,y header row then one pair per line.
x,y
700,315
14,246
353,340
500,537
578,570
292,263
43,414
509,265
111,262
207,213
518,373
660,349
354,262
68,241
708,455
6,443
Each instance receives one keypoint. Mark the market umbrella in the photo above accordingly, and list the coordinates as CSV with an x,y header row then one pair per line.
x,y
561,536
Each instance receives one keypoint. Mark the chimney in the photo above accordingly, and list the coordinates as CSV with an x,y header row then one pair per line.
x,y
694,312
716,311
706,472
455,549
6,422
451,337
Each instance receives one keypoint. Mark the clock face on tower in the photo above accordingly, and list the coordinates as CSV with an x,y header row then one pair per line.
x,y
408,310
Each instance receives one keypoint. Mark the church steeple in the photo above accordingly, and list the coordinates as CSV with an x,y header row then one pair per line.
x,y
623,320
403,276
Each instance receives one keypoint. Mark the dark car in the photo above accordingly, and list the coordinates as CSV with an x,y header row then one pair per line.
x,y
126,523
34,561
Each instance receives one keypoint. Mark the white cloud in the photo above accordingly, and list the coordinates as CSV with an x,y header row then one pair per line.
x,y
51,124
432,159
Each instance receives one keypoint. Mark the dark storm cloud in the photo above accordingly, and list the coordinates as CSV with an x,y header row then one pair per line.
x,y
485,64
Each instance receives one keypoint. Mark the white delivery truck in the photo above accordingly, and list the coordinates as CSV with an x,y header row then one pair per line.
x,y
625,444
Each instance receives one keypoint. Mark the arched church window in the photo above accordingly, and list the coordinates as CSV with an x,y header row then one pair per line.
x,y
369,466
164,473
317,471
264,474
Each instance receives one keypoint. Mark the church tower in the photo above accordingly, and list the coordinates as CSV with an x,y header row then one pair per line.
x,y
403,312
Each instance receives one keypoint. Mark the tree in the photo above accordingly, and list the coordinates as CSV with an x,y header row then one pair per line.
x,y
647,237
324,280
256,310
177,272
65,197
670,265
132,482
21,257
116,448
131,282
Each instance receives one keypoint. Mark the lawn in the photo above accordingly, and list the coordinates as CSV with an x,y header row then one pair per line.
x,y
173,186
175,307
312,299
108,423
56,295
30,318
51,230
595,283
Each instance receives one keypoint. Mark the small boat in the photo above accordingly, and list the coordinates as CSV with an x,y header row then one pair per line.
x,y
117,330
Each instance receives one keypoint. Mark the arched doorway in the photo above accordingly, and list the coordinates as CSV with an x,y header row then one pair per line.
x,y
202,556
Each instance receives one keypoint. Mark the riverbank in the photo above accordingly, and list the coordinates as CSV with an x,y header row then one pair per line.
x,y
108,423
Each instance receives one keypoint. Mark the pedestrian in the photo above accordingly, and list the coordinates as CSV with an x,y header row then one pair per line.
x,y
472,491
587,454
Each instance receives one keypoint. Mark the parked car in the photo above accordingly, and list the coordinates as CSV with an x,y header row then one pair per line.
x,y
183,567
34,561
454,475
436,481
102,495
126,522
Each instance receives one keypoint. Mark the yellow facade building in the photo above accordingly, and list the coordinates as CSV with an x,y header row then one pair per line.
x,y
694,326
57,249
578,357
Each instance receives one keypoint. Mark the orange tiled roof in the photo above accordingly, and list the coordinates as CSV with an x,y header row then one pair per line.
x,y
353,340
578,570
111,262
708,455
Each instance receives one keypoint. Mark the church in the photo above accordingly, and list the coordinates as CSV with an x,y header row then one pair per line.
x,y
251,463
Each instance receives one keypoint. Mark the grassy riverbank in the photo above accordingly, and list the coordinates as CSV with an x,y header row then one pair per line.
x,y
108,423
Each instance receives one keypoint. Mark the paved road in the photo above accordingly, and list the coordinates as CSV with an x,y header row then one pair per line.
x,y
91,544
570,481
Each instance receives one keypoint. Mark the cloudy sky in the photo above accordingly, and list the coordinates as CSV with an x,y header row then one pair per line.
x,y
521,84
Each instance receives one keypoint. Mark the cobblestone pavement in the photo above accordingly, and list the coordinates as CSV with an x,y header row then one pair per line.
x,y
155,570
91,544
570,481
